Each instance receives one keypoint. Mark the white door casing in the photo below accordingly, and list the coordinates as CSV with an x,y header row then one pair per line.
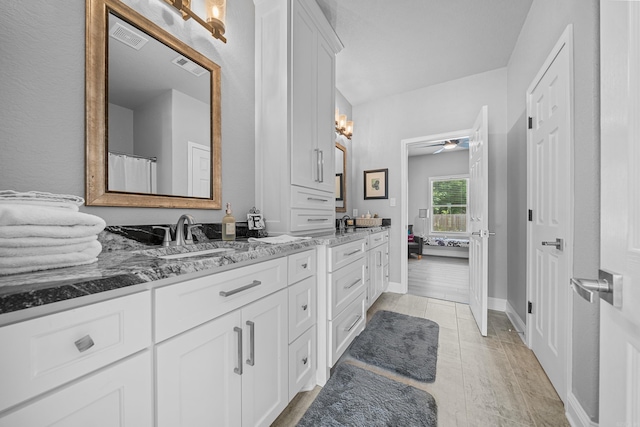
x,y
479,219
549,153
620,210
198,170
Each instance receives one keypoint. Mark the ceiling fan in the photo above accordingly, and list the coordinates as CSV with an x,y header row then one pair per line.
x,y
451,144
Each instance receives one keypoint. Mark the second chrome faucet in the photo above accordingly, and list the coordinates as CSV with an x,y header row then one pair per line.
x,y
180,238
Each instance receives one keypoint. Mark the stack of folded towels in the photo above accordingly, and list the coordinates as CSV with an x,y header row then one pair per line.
x,y
40,231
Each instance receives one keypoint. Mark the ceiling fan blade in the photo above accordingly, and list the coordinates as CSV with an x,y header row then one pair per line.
x,y
436,152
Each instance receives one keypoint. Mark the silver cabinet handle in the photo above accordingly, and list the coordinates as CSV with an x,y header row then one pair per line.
x,y
379,264
559,244
252,359
317,199
84,343
317,150
321,166
238,370
305,360
352,253
240,289
608,286
355,322
352,285
316,219
304,307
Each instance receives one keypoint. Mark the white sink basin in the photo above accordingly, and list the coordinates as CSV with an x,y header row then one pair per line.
x,y
197,253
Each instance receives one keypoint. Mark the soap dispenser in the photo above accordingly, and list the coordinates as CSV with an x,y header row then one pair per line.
x,y
228,225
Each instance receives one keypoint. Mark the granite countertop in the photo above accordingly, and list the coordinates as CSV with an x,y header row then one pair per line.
x,y
127,263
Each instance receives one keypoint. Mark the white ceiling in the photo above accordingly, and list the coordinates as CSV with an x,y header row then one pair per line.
x,y
398,46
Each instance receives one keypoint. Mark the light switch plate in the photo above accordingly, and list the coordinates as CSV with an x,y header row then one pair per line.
x,y
355,213
392,201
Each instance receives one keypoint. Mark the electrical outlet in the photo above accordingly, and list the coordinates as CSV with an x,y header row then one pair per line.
x,y
392,201
355,213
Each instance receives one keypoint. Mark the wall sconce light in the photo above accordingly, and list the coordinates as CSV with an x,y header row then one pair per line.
x,y
449,145
343,127
216,15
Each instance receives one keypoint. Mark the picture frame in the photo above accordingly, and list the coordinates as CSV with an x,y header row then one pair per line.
x,y
339,178
255,221
375,184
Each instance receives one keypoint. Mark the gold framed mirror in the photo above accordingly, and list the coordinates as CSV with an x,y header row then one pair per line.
x,y
153,121
341,178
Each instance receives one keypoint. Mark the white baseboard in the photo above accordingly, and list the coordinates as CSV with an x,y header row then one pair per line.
x,y
517,322
396,287
576,415
497,304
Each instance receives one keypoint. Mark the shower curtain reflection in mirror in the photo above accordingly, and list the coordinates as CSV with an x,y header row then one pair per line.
x,y
132,174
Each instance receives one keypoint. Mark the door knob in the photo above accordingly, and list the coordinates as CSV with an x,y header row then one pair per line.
x,y
559,244
608,286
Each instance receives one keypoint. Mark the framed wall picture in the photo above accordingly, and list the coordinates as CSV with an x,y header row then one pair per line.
x,y
339,195
375,184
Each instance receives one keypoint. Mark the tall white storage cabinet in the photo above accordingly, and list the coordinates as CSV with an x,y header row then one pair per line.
x,y
295,104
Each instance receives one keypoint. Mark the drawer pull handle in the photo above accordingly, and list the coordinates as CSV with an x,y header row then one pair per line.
x,y
304,307
252,328
352,285
238,370
352,253
240,289
304,266
355,322
317,199
84,343
305,360
316,219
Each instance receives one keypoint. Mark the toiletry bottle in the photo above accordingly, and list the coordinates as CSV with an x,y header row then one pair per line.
x,y
228,225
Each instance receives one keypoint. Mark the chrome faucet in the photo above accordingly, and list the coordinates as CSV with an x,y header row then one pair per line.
x,y
180,238
343,222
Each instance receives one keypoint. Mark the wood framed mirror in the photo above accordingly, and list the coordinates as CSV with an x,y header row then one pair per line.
x,y
153,121
341,178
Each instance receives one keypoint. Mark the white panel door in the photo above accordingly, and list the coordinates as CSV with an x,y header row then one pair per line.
x,y
265,383
198,376
620,210
479,219
199,170
549,153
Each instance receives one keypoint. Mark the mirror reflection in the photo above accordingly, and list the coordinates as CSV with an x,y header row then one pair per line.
x,y
341,177
159,117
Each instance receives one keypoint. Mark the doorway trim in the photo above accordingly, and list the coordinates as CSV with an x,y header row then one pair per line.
x,y
565,41
403,286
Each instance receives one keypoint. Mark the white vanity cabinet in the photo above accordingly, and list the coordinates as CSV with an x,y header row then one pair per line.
x,y
341,301
295,98
378,266
233,369
80,362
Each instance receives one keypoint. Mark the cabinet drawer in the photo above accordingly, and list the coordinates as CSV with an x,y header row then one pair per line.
x,y
344,254
302,361
118,396
345,285
302,307
191,303
49,351
311,220
345,327
307,198
378,239
301,266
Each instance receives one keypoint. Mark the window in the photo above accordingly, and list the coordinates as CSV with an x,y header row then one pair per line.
x,y
449,204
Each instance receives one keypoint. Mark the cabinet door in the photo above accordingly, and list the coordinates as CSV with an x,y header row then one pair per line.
x,y
376,273
198,380
305,158
120,396
266,354
325,129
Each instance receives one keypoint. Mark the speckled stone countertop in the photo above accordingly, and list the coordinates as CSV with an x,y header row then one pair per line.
x,y
127,263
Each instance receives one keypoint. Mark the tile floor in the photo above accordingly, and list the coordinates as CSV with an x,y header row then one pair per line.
x,y
480,381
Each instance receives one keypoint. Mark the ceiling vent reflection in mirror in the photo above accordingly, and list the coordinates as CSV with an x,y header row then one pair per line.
x,y
189,66
127,36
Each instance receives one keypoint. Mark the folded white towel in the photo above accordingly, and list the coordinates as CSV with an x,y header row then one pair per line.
x,y
51,204
30,242
39,221
275,240
62,248
41,196
15,265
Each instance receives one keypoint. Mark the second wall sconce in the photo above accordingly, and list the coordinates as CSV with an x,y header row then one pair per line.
x,y
343,127
216,11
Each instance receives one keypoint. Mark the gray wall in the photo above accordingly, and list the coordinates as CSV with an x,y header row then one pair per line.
x,y
382,124
545,23
42,108
421,169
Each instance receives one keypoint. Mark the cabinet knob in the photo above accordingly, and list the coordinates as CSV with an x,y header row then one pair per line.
x,y
84,343
304,266
305,360
304,307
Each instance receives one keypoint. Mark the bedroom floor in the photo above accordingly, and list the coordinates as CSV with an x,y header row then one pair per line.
x,y
480,381
440,277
